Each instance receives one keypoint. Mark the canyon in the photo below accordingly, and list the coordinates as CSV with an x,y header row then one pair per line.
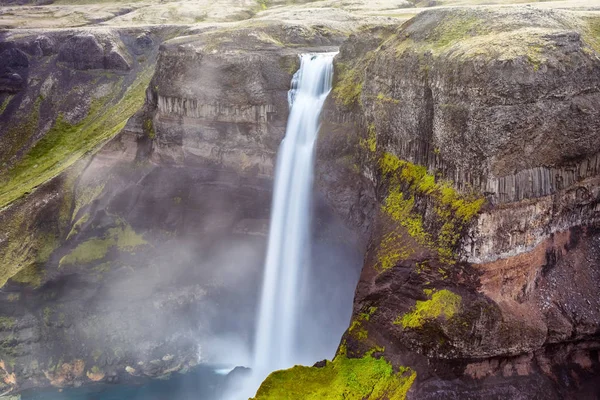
x,y
456,202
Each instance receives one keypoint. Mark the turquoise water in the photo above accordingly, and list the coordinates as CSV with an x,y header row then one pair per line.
x,y
201,384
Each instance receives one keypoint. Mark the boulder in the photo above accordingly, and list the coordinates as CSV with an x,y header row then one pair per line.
x,y
82,51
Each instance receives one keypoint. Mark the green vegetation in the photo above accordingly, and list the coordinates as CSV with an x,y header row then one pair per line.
x,y
149,128
47,315
30,275
264,4
463,34
5,103
452,30
342,378
441,303
454,210
6,323
27,247
348,85
289,64
64,144
101,269
16,137
127,239
592,33
382,98
14,297
356,327
8,349
77,225
90,250
122,236
85,195
392,249
370,143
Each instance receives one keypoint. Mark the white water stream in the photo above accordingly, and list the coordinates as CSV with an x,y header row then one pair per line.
x,y
288,253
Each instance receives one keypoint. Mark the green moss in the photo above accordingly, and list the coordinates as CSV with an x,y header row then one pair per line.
x,y
357,328
455,29
30,275
126,238
6,323
400,209
367,315
64,144
88,251
421,267
47,315
7,348
149,128
14,297
382,98
441,303
77,225
289,64
592,33
26,249
5,103
370,143
17,136
391,250
348,85
535,56
263,4
102,268
454,210
342,378
122,236
85,195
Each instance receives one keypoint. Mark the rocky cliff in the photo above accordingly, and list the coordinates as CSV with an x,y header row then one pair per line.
x,y
119,257
463,146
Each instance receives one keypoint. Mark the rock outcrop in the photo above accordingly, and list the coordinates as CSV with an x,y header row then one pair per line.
x,y
463,145
84,51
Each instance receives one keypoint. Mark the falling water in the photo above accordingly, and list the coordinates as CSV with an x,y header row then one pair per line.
x,y
289,244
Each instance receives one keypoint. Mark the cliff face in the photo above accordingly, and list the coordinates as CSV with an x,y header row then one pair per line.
x,y
121,265
463,145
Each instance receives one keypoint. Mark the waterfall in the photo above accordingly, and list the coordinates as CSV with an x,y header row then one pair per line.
x,y
289,233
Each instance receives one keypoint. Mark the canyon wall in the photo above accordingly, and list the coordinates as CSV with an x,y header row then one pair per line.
x,y
463,146
137,202
458,154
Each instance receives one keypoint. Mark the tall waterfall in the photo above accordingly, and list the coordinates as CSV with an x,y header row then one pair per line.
x,y
289,245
